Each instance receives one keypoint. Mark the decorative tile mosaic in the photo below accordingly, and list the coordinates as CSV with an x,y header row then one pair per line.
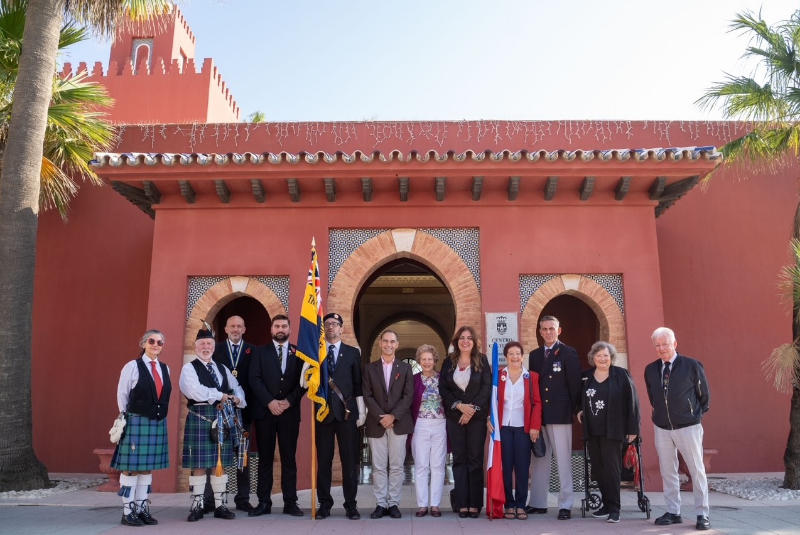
x,y
342,243
464,241
278,284
197,287
528,284
200,285
613,285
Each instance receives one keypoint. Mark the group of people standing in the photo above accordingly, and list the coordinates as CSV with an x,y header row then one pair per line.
x,y
232,385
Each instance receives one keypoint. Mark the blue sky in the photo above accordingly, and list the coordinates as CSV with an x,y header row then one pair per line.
x,y
448,60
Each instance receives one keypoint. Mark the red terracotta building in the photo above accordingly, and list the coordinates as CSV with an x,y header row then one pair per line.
x,y
424,226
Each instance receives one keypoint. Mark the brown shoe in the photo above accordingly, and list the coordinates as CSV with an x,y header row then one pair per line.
x,y
422,512
435,512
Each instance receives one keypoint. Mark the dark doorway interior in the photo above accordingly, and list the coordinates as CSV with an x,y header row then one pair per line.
x,y
255,316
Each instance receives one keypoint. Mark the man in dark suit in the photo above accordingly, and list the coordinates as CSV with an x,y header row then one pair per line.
x,y
275,381
388,392
559,372
347,413
236,354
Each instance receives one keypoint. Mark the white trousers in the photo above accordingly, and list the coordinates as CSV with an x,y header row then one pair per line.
x,y
429,447
688,441
388,456
558,441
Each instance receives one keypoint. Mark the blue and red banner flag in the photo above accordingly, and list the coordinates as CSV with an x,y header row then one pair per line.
x,y
495,492
311,340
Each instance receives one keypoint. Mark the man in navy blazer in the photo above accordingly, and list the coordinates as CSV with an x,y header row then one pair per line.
x,y
347,414
275,380
559,372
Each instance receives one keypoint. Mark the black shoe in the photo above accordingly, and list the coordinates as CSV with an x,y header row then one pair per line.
x,y
195,514
394,512
474,514
261,509
601,513
208,508
131,520
146,519
379,512
535,510
245,506
702,523
352,513
463,514
564,514
668,518
613,516
323,512
292,509
223,513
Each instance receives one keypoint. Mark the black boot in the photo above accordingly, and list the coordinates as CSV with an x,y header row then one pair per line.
x,y
144,514
196,512
131,519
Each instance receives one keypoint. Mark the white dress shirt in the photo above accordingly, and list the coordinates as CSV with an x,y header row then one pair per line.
x,y
285,354
192,389
129,377
514,402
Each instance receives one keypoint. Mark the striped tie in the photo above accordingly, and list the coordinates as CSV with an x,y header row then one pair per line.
x,y
213,375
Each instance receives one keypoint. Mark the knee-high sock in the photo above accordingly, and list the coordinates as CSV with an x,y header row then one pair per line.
x,y
196,486
143,489
219,485
127,485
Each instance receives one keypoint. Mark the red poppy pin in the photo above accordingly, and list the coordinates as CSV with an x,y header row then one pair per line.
x,y
247,351
396,377
557,350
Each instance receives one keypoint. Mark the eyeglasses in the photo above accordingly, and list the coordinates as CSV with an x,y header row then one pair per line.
x,y
152,342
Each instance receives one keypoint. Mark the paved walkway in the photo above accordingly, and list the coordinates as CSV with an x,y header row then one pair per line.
x,y
88,512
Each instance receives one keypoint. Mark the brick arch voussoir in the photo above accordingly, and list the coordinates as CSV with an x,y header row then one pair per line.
x,y
427,250
602,303
222,293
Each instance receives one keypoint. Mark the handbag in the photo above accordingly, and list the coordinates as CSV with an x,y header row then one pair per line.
x,y
117,430
537,446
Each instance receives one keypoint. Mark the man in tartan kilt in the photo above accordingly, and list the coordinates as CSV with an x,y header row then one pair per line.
x,y
207,443
143,396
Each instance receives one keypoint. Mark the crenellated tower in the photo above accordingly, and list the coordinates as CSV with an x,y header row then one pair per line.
x,y
153,78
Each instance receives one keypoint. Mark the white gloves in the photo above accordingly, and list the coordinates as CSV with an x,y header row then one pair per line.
x,y
303,383
362,411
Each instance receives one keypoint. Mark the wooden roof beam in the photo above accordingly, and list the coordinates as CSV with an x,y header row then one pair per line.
x,y
223,192
587,187
330,189
152,192
366,188
657,188
187,191
135,196
402,184
477,187
441,183
259,192
623,186
294,189
550,188
513,188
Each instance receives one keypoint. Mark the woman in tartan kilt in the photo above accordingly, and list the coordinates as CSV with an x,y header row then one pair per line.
x,y
206,386
143,395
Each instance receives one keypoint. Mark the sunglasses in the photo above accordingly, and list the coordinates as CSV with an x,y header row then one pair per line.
x,y
154,342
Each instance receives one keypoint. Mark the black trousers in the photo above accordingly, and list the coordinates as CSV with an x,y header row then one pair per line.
x,y
606,458
242,476
347,435
268,429
467,444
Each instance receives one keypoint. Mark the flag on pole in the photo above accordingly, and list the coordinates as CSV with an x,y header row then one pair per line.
x,y
311,339
495,492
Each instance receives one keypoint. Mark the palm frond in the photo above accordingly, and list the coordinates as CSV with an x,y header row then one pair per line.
x,y
57,188
744,98
789,277
781,367
102,16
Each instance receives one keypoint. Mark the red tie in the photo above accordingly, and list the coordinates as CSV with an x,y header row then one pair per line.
x,y
157,379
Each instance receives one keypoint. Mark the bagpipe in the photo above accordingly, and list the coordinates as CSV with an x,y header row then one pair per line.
x,y
229,418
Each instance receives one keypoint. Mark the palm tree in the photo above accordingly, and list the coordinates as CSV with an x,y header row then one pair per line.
x,y
19,209
769,101
75,130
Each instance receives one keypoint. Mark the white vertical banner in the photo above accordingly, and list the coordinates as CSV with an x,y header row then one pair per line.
x,y
501,327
